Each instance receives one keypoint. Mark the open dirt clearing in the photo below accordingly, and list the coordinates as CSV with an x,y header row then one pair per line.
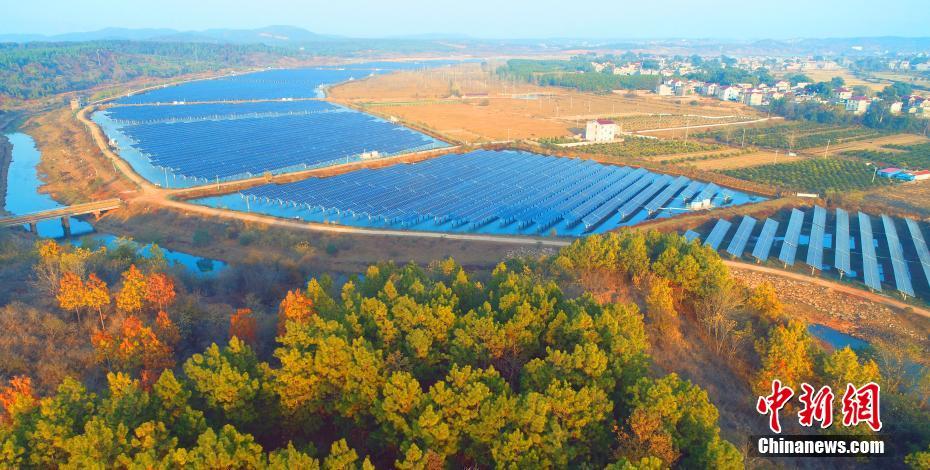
x,y
468,102
761,157
850,79
871,144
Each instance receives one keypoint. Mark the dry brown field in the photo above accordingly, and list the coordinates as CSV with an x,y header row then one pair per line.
x,y
871,144
469,103
851,80
757,158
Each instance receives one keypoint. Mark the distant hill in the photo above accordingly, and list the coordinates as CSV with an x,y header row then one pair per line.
x,y
270,35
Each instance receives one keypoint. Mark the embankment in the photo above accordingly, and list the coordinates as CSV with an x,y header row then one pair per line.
x,y
6,156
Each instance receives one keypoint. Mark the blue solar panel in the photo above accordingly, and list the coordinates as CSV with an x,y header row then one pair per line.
x,y
764,243
657,202
691,235
708,192
815,247
153,114
869,261
841,253
789,247
718,233
633,205
738,243
902,277
921,246
236,148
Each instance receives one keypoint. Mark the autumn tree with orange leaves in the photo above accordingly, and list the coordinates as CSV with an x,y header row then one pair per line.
x,y
96,296
71,293
242,325
295,307
159,290
134,347
17,396
132,293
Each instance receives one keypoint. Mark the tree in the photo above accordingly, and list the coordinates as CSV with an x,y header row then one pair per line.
x,y
96,296
159,290
72,293
242,325
295,307
131,295
787,355
764,300
660,304
15,398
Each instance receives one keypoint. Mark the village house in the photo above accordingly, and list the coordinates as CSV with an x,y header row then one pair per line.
x,y
600,130
858,104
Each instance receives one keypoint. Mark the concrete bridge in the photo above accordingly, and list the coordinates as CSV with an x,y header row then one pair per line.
x,y
96,208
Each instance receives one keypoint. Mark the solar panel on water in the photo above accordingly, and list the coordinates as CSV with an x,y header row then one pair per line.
x,y
738,243
657,202
902,277
841,253
718,233
815,247
921,246
869,261
691,235
789,247
764,243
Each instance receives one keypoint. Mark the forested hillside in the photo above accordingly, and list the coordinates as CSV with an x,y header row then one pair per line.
x,y
403,367
35,70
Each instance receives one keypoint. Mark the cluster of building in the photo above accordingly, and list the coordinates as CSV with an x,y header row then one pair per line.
x,y
762,95
753,95
904,175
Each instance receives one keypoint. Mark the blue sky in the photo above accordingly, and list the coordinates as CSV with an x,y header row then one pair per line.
x,y
735,19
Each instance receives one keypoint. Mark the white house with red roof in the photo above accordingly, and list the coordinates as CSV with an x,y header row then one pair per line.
x,y
600,130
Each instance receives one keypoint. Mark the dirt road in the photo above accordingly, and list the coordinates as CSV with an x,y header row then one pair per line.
x,y
846,289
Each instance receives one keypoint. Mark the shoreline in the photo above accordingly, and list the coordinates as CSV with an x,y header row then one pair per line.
x,y
6,158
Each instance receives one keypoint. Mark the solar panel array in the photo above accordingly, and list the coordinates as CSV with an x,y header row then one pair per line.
x,y
764,243
841,253
479,189
229,149
738,243
716,235
152,114
789,247
869,260
902,277
920,245
815,247
268,85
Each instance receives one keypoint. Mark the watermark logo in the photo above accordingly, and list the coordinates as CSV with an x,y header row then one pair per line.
x,y
859,405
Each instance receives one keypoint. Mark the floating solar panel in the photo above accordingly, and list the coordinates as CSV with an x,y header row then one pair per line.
x,y
764,243
691,235
841,253
502,192
789,247
815,247
633,205
718,233
689,191
708,192
738,243
869,261
921,246
902,277
657,202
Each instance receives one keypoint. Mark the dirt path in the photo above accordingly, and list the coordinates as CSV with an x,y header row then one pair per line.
x,y
831,285
702,126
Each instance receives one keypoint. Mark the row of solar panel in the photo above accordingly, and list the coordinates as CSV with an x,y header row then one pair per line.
x,y
221,149
144,114
815,249
270,84
477,188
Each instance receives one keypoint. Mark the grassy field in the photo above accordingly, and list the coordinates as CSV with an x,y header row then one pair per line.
x,y
469,103
817,175
794,135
